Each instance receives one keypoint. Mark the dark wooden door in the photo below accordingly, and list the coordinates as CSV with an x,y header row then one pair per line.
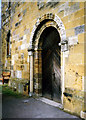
x,y
56,75
52,74
47,72
51,71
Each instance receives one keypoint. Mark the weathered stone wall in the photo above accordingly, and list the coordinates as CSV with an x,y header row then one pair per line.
x,y
23,18
0,50
74,59
5,29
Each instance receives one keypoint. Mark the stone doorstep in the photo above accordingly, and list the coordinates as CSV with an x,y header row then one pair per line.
x,y
50,102
83,115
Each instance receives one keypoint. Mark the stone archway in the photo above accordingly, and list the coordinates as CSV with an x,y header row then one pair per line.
x,y
42,23
49,16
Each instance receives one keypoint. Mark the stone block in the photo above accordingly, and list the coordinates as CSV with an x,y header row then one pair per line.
x,y
85,84
22,46
82,4
73,59
79,49
20,88
71,3
18,74
73,40
62,7
74,103
25,74
85,49
81,38
71,68
74,23
61,14
40,5
71,17
79,13
71,9
79,29
36,70
70,32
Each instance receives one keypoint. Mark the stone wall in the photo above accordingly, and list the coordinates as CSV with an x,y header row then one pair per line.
x,y
74,60
0,57
5,29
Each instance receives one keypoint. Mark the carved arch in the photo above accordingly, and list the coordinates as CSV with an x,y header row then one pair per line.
x,y
55,22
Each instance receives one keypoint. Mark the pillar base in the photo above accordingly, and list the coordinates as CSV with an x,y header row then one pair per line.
x,y
83,115
30,94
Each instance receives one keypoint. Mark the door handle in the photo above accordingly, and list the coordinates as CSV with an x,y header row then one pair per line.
x,y
53,74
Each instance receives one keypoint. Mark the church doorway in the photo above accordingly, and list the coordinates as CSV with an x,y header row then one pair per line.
x,y
51,64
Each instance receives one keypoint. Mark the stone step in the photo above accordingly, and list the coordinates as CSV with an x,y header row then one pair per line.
x,y
50,102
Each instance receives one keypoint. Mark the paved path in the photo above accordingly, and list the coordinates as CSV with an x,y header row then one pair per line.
x,y
31,108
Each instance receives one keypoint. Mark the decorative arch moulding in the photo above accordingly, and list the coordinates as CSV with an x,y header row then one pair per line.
x,y
56,22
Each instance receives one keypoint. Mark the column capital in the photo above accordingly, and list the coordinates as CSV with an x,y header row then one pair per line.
x,y
37,49
30,51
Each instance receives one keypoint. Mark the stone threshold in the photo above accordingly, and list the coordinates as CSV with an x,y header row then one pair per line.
x,y
50,102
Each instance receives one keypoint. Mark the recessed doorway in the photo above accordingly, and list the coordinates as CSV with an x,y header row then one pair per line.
x,y
51,64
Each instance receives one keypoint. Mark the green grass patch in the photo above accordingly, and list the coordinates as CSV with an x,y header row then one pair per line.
x,y
0,88
8,91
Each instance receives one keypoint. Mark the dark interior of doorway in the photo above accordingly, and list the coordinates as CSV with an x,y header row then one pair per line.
x,y
51,64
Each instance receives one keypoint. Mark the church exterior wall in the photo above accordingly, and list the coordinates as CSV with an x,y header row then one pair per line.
x,y
23,24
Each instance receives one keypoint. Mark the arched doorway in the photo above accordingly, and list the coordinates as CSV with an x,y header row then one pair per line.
x,y
35,52
51,63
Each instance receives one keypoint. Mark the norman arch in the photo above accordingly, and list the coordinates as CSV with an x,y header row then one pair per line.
x,y
49,16
35,49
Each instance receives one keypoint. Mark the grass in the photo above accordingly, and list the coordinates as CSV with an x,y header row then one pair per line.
x,y
8,91
0,88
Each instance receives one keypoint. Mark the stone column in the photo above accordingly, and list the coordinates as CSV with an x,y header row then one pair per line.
x,y
38,72
30,53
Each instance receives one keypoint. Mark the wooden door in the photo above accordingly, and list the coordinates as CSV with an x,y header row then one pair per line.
x,y
51,71
47,72
56,75
52,74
